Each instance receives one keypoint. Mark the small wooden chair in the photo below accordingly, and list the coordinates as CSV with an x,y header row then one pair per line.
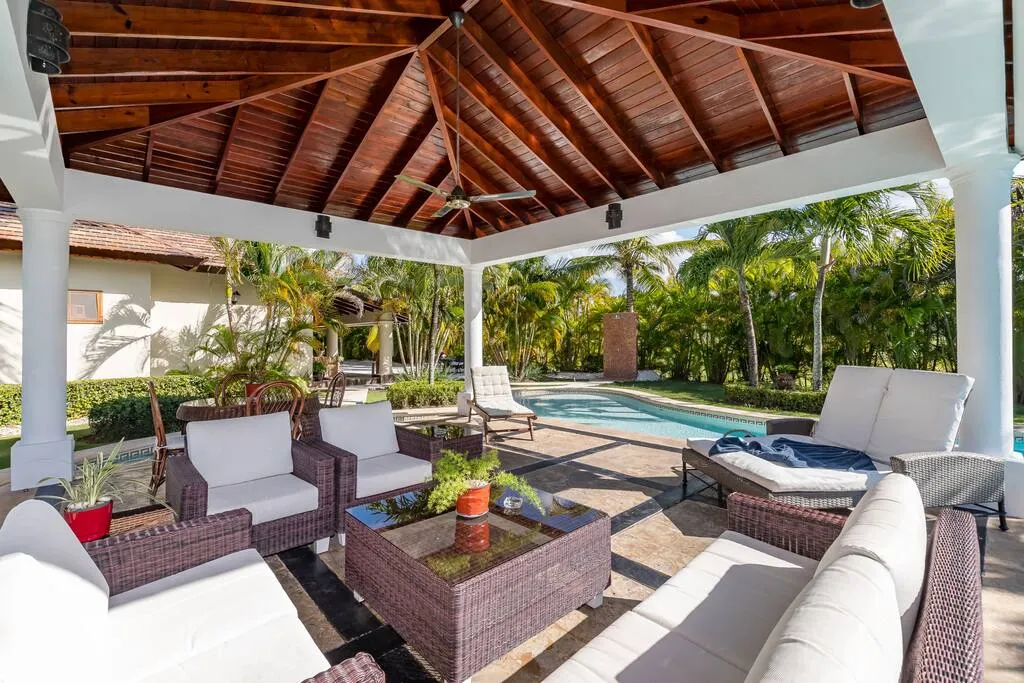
x,y
268,399
162,445
336,390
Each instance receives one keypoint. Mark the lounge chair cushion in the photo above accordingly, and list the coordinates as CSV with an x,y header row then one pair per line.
x,y
366,430
502,407
851,406
45,573
706,623
267,499
888,525
491,382
844,626
921,412
241,449
197,610
390,472
781,479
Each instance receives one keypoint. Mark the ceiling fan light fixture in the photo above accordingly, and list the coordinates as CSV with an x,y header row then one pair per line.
x,y
865,4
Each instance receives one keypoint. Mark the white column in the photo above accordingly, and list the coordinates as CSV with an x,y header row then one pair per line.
x,y
45,449
981,195
332,344
473,325
385,332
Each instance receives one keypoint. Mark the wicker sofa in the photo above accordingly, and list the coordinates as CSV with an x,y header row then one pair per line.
x,y
253,463
188,601
905,420
374,459
801,595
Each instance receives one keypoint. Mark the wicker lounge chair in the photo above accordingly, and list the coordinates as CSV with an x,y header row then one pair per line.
x,y
492,398
905,420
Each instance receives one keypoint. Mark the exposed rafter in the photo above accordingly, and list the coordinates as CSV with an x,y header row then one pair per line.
x,y
431,9
92,120
222,163
642,35
412,147
297,149
579,81
148,163
851,92
764,98
77,95
826,20
136,61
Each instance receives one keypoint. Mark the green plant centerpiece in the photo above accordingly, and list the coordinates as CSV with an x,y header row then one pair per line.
x,y
465,483
87,500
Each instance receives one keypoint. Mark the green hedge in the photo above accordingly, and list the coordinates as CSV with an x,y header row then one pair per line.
x,y
774,399
129,417
84,394
420,393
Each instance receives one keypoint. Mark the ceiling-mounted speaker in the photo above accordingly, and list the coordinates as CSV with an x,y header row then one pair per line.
x,y
323,227
47,39
613,217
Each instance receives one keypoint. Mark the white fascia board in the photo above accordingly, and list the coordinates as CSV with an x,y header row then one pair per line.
x,y
91,196
31,163
903,154
955,52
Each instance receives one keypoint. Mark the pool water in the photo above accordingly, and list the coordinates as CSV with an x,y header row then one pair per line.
x,y
631,415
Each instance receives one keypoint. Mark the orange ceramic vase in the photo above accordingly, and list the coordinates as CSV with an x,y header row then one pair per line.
x,y
474,502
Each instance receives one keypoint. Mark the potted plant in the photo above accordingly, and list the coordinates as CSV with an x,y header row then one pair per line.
x,y
88,500
465,483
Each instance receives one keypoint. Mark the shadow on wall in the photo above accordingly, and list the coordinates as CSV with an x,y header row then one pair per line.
x,y
108,341
177,349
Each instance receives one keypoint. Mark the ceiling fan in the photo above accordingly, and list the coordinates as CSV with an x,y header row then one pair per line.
x,y
457,199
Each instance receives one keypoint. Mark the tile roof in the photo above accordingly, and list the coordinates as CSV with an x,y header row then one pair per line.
x,y
107,240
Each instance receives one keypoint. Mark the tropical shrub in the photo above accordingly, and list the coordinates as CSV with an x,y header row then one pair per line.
x,y
421,393
774,399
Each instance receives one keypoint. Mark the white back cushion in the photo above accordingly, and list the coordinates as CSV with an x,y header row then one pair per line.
x,y
921,412
843,626
491,381
851,406
365,430
888,526
241,449
45,573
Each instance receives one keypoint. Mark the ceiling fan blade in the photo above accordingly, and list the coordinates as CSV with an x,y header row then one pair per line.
x,y
443,211
523,194
422,185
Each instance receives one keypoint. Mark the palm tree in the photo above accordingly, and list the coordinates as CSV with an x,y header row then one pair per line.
x,y
740,246
640,262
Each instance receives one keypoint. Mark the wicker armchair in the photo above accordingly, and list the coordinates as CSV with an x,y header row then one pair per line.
x,y
358,669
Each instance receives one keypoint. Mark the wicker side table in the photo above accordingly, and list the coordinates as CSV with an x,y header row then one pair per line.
x,y
432,439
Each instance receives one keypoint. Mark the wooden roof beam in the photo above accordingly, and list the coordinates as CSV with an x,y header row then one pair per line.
x,y
596,102
222,163
416,202
763,96
855,106
642,36
77,95
367,139
148,163
135,61
482,95
544,106
94,120
711,24
414,146
320,98
149,21
826,20
258,87
487,184
430,9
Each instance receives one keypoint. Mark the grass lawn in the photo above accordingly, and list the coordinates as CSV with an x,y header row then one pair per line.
x,y
697,392
375,395
80,432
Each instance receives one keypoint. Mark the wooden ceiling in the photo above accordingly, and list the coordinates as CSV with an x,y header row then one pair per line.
x,y
318,104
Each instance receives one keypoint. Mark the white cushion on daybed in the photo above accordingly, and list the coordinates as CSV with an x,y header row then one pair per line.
x,y
921,412
365,430
851,406
390,472
267,499
242,448
888,525
844,626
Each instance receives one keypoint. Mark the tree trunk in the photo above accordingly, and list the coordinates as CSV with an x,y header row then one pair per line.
x,y
748,319
629,288
824,256
435,306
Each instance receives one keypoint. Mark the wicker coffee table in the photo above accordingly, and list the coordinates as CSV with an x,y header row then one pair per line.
x,y
442,436
465,592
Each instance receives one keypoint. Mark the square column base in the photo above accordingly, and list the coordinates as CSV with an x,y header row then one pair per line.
x,y
462,401
31,463
1013,485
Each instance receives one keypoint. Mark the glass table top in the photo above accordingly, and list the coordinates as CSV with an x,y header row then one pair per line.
x,y
444,431
456,549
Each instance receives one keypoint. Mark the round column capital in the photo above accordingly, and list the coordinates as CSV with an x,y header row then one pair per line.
x,y
998,164
32,215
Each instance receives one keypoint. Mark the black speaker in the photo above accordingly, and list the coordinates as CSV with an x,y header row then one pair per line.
x,y
323,227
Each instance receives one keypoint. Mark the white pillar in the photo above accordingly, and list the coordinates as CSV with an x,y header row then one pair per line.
x,y
473,325
332,343
385,331
981,195
45,449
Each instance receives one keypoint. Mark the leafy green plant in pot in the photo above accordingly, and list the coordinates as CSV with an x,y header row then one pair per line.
x,y
465,483
88,499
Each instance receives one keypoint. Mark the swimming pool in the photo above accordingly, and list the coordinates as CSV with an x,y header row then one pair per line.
x,y
632,415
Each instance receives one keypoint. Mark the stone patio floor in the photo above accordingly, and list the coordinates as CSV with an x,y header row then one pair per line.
x,y
635,479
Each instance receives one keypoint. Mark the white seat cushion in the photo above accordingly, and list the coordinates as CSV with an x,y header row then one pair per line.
x,y
844,626
365,430
241,449
502,407
197,609
390,472
888,525
851,406
921,412
706,623
267,499
175,441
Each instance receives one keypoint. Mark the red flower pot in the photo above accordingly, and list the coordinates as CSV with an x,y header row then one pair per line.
x,y
472,535
251,388
474,502
90,523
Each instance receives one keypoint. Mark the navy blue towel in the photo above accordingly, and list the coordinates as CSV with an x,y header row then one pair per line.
x,y
798,454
